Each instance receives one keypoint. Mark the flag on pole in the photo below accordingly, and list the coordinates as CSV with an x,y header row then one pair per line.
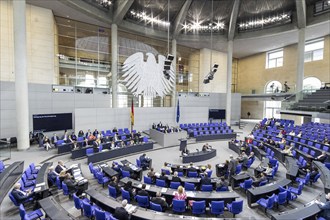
x,y
178,112
132,114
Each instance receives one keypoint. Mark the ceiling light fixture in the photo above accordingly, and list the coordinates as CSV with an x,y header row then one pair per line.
x,y
147,18
214,27
104,3
260,23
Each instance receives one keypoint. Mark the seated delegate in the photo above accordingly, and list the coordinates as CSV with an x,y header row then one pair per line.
x,y
21,195
206,147
145,161
160,201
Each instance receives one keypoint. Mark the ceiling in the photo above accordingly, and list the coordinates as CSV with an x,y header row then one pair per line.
x,y
205,13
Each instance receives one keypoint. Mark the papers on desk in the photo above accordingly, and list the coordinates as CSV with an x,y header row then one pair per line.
x,y
37,189
130,208
147,186
157,175
163,190
133,167
190,194
139,186
74,166
40,184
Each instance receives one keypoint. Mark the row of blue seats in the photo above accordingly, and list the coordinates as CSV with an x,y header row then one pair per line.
x,y
205,133
197,125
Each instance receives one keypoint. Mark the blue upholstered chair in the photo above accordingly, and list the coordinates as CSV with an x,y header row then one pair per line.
x,y
112,191
175,185
217,207
143,201
198,207
178,206
156,207
235,207
32,215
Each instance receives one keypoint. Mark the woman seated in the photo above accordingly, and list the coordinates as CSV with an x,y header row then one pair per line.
x,y
47,143
180,194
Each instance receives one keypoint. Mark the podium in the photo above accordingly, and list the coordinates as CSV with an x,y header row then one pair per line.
x,y
183,143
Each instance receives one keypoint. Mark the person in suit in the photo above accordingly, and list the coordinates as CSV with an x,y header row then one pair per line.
x,y
163,177
20,195
96,145
145,161
191,168
232,166
72,185
128,187
314,173
243,158
114,183
206,147
143,191
88,133
95,132
322,157
120,212
175,177
221,183
152,175
60,166
114,130
325,207
205,180
256,181
52,175
55,138
160,201
185,151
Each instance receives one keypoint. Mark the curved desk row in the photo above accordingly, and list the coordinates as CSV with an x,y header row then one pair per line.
x,y
291,167
215,137
199,156
9,177
308,211
120,152
325,175
54,210
254,194
110,204
41,187
227,196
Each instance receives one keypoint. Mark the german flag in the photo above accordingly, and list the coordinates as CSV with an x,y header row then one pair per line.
x,y
132,114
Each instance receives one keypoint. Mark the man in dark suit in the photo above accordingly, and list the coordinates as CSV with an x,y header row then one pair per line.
x,y
21,195
191,168
325,207
145,161
72,185
52,175
114,183
164,177
232,166
221,183
205,180
322,157
54,139
185,151
120,212
143,191
314,173
160,201
175,177
60,166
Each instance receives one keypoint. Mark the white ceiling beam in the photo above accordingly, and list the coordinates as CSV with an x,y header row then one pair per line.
x,y
233,20
180,18
301,13
121,8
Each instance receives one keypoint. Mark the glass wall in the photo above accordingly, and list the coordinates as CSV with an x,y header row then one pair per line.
x,y
84,54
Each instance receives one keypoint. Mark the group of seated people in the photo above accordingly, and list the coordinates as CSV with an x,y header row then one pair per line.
x,y
165,128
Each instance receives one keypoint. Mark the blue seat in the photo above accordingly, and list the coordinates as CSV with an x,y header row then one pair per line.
x,y
65,189
192,174
125,195
180,174
198,207
2,166
209,173
89,210
267,203
160,183
16,203
222,189
145,139
235,207
262,183
125,173
296,191
102,215
189,186
78,203
91,167
178,206
281,198
147,180
304,180
32,215
207,188
138,163
238,169
101,179
58,183
156,207
314,180
89,151
175,185
112,191
143,201
166,171
247,184
217,207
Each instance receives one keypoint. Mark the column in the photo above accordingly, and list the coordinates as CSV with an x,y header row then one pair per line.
x,y
229,77
21,81
173,103
300,62
114,63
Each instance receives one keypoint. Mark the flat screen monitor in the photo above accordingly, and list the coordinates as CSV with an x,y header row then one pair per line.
x,y
217,114
52,122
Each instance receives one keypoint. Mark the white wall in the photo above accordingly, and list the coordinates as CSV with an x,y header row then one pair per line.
x,y
40,43
219,83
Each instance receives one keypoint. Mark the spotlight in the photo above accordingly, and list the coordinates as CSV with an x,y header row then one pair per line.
x,y
167,66
210,75
166,74
170,57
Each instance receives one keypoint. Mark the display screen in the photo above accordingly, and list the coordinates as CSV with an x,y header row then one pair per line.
x,y
52,122
217,113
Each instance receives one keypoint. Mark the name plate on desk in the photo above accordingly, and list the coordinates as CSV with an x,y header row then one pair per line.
x,y
40,184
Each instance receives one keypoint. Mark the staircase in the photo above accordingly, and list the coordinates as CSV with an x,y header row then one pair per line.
x,y
318,101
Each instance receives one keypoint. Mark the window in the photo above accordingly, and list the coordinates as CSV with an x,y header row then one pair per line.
x,y
273,87
314,50
274,59
311,83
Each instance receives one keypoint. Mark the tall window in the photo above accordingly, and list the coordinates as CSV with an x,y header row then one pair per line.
x,y
273,87
274,58
311,83
314,50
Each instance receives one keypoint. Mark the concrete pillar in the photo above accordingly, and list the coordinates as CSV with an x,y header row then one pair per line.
x,y
300,61
21,81
229,77
114,64
173,102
